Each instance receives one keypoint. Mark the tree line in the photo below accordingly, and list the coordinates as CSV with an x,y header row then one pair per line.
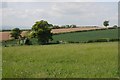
x,y
42,31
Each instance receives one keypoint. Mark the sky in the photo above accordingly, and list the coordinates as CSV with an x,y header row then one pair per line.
x,y
25,14
60,0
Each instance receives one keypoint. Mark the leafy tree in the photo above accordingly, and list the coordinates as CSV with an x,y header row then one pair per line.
x,y
68,26
51,26
115,26
41,30
15,33
73,26
56,27
106,23
62,26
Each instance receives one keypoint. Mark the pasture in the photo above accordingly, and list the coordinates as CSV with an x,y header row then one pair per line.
x,y
85,36
91,60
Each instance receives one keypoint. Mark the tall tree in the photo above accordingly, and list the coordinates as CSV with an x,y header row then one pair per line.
x,y
42,31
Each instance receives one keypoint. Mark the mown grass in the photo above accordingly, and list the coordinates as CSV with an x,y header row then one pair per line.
x,y
85,36
91,60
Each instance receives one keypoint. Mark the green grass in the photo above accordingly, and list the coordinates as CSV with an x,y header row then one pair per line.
x,y
85,36
0,62
91,60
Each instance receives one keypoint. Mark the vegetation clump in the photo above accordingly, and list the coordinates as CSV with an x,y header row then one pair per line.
x,y
42,31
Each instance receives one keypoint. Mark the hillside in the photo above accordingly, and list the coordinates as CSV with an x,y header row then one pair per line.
x,y
85,36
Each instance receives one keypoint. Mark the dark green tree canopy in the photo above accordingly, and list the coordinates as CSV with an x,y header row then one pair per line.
x,y
106,23
15,33
42,31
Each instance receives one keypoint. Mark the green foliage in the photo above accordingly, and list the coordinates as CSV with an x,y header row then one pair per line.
x,y
27,41
73,26
41,30
15,33
64,26
114,40
93,60
115,26
56,27
106,23
67,26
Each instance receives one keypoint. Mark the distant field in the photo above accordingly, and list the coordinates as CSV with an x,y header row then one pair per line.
x,y
92,60
6,35
73,29
85,36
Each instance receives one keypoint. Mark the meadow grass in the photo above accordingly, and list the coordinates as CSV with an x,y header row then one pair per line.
x,y
0,61
91,60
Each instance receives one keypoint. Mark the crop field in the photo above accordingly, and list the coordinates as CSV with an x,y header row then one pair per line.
x,y
73,29
85,36
91,60
6,35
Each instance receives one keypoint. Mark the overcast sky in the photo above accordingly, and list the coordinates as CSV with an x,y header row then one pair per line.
x,y
59,13
60,0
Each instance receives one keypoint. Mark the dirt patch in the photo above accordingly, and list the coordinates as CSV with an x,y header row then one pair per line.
x,y
71,30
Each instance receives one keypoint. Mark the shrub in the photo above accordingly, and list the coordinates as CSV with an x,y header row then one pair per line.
x,y
102,40
27,41
71,42
90,41
57,42
114,40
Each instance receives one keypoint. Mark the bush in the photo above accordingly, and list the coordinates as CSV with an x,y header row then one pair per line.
x,y
90,41
73,42
114,40
57,42
102,40
27,41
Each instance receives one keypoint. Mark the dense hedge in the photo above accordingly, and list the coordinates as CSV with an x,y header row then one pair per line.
x,y
97,40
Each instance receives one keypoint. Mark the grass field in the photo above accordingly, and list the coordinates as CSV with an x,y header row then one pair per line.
x,y
85,36
91,60
0,62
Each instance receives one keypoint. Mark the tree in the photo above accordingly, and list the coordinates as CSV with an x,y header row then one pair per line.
x,y
73,26
115,26
67,26
41,30
106,23
15,33
56,27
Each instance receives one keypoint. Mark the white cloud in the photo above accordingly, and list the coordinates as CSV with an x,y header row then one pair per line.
x,y
61,0
60,13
